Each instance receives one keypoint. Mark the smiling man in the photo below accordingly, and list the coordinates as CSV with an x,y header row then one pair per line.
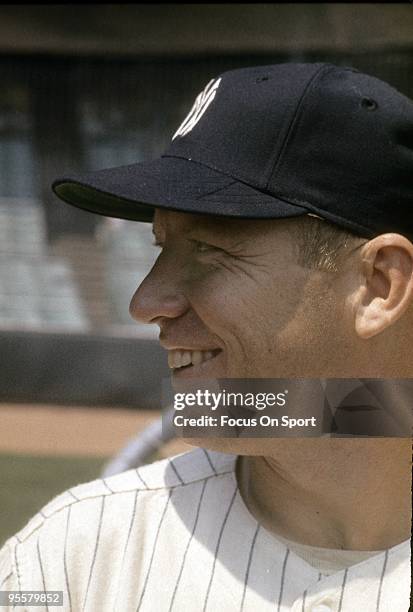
x,y
284,213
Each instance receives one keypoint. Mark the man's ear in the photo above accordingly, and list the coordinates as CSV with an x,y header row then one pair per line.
x,y
386,287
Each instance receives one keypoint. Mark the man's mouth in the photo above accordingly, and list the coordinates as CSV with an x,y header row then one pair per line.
x,y
184,358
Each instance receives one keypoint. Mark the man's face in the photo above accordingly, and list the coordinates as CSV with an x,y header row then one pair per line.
x,y
231,301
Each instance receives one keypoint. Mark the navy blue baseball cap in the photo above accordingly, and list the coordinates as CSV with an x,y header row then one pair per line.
x,y
275,141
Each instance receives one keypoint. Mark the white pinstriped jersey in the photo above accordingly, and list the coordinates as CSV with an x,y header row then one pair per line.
x,y
176,536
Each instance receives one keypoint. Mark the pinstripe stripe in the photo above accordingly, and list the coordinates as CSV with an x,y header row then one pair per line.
x,y
304,598
141,479
39,558
65,557
218,545
247,573
386,556
73,495
209,461
340,603
107,486
6,579
282,580
153,551
126,545
171,463
187,547
95,551
17,567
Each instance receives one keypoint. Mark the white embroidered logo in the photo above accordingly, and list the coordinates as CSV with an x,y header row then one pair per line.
x,y
201,103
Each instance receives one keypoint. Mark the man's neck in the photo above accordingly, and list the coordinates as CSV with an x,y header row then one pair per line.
x,y
335,493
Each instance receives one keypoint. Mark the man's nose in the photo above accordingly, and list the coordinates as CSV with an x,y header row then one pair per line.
x,y
159,295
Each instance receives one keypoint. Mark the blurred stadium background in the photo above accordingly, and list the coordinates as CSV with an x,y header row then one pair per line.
x,y
88,87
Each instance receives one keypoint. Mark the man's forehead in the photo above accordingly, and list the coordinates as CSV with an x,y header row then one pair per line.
x,y
177,222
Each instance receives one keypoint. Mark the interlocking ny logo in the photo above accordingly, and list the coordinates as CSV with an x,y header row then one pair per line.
x,y
202,102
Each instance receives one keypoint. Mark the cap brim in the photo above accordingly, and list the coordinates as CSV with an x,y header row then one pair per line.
x,y
134,191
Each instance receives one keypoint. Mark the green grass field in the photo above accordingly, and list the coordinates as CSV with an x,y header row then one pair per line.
x,y
28,482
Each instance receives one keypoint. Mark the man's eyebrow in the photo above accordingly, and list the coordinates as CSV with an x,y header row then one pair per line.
x,y
207,230
218,231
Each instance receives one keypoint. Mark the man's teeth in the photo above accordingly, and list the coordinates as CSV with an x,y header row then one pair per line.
x,y
179,358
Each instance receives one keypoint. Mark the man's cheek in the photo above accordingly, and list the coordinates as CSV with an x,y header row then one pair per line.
x,y
227,310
